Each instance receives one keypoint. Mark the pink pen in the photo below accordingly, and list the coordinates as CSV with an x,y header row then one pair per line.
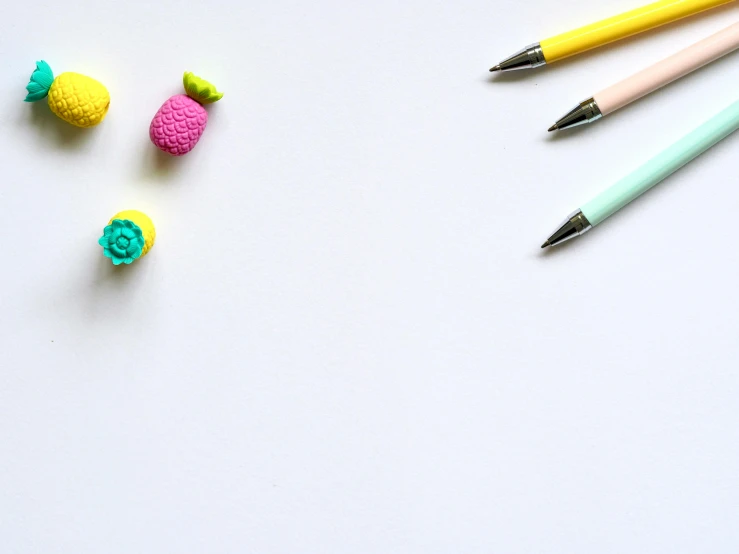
x,y
652,78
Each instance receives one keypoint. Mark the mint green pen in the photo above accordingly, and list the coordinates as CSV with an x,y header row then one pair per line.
x,y
640,181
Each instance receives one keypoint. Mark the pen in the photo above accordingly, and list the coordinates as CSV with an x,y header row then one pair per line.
x,y
652,78
657,169
605,31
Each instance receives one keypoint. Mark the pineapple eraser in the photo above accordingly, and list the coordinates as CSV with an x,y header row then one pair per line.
x,y
128,236
77,99
179,123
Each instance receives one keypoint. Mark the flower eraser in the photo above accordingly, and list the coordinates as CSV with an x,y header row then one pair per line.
x,y
128,236
179,123
77,99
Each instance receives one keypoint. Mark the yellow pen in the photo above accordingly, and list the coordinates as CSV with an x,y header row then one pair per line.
x,y
600,33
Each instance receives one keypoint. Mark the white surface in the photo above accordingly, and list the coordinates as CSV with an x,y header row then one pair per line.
x,y
346,338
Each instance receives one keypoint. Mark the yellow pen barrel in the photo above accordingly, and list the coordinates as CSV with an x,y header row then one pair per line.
x,y
622,26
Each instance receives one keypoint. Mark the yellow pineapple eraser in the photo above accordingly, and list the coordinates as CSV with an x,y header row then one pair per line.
x,y
77,99
128,236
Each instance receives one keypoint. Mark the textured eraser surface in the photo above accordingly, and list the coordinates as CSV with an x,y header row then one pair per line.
x,y
144,222
79,99
129,235
178,125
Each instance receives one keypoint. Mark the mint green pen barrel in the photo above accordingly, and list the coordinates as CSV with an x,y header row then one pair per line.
x,y
662,166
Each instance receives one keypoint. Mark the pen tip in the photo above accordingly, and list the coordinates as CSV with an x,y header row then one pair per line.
x,y
547,243
552,128
495,68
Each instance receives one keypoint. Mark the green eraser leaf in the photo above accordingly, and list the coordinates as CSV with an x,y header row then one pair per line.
x,y
41,81
200,90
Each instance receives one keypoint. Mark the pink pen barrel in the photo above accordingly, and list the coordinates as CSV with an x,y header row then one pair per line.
x,y
668,70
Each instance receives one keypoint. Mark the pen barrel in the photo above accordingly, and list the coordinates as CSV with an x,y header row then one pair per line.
x,y
663,165
622,26
668,70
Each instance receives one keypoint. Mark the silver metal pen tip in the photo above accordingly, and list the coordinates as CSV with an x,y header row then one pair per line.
x,y
574,226
526,58
552,128
586,111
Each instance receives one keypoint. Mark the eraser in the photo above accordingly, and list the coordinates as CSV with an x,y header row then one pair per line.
x,y
180,122
128,236
77,99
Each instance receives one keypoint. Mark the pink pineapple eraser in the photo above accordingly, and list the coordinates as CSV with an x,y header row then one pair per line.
x,y
179,123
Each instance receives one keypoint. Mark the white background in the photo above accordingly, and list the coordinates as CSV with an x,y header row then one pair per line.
x,y
346,339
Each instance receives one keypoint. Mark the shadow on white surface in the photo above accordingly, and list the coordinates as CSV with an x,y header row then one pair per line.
x,y
564,248
55,131
111,282
514,76
160,166
92,301
572,132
